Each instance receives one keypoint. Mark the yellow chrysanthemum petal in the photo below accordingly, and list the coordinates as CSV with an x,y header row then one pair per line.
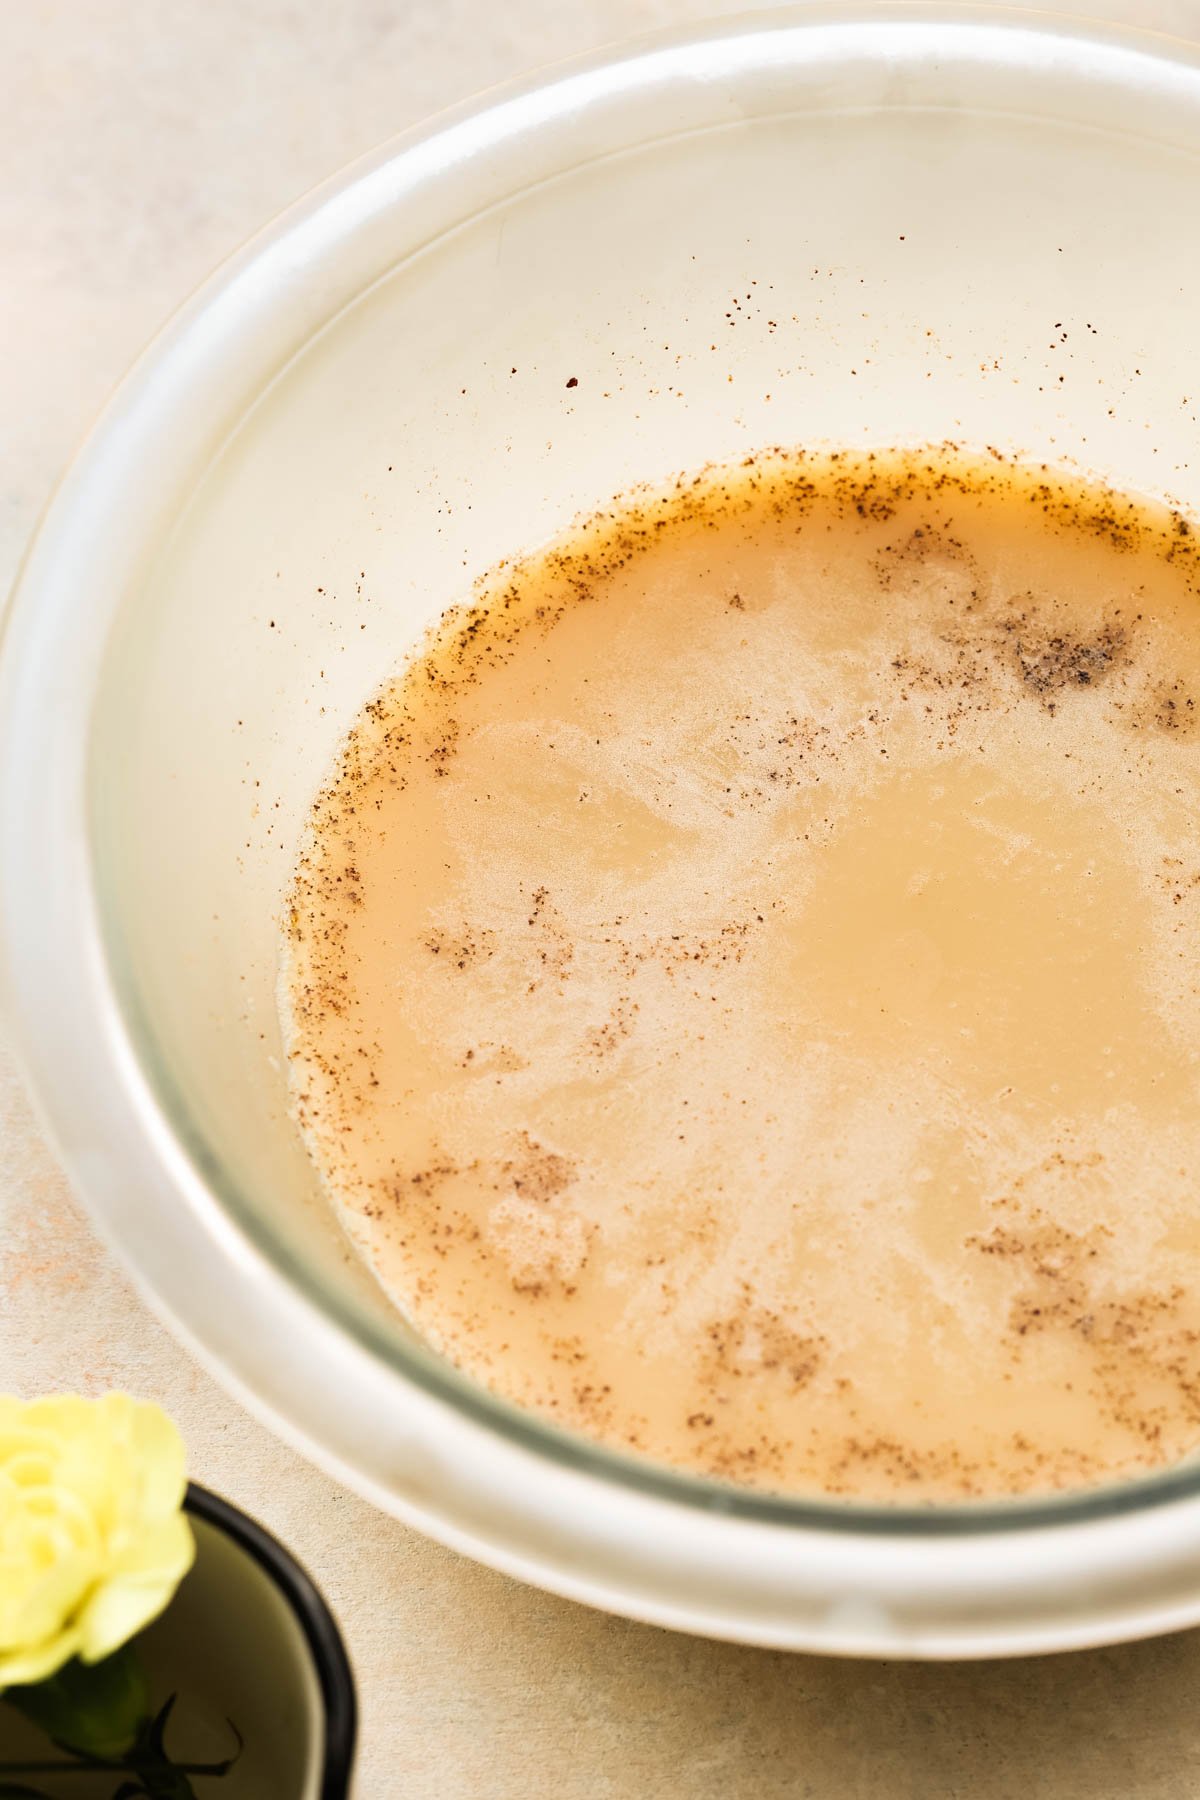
x,y
137,1592
36,1661
44,1598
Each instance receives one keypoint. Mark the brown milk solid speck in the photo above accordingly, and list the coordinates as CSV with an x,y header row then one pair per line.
x,y
740,979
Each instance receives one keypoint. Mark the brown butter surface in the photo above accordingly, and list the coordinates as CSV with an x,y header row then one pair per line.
x,y
741,978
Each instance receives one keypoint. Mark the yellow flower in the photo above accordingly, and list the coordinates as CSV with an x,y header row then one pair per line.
x,y
92,1540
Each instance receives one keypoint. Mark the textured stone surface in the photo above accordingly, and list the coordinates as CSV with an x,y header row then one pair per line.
x,y
140,141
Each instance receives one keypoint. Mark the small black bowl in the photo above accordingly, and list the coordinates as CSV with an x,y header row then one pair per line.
x,y
311,1712
242,1686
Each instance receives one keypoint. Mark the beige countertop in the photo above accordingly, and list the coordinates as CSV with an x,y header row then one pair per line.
x,y
141,140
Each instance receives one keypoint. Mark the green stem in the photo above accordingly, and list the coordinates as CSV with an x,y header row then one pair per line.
x,y
60,1768
112,1768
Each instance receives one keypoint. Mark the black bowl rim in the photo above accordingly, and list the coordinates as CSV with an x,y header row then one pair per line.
x,y
325,1644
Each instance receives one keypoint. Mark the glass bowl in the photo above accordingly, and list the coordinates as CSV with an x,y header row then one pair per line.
x,y
868,225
